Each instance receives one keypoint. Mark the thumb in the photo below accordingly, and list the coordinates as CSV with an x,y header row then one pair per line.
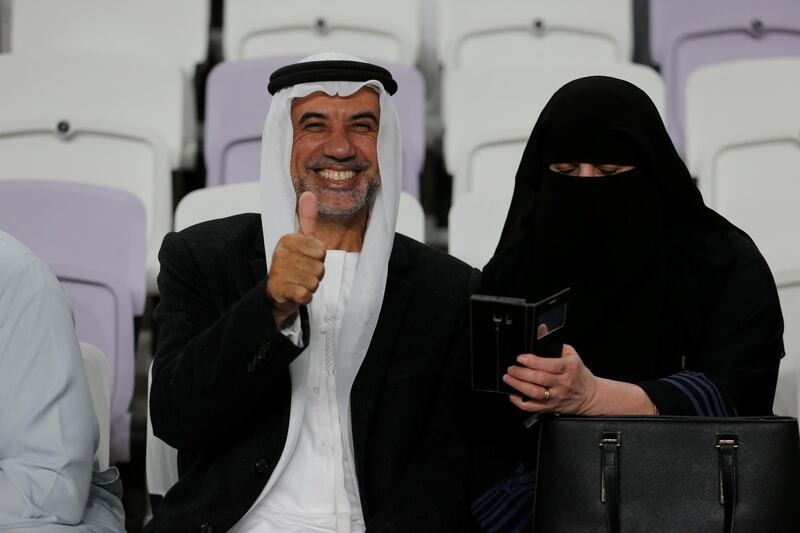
x,y
307,213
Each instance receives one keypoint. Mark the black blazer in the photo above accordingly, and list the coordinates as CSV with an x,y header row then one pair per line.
x,y
221,388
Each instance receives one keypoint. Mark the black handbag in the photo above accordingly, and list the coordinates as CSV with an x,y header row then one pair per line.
x,y
671,474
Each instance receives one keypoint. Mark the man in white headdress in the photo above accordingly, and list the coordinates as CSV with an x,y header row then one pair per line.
x,y
327,395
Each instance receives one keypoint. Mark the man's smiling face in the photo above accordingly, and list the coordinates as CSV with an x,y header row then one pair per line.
x,y
335,151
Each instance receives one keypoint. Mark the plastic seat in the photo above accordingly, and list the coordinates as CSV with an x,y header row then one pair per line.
x,y
378,29
485,136
99,379
687,34
475,223
93,239
5,25
518,33
226,200
172,33
93,120
743,144
787,393
237,102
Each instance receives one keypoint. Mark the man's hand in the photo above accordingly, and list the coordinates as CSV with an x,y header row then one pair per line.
x,y
298,264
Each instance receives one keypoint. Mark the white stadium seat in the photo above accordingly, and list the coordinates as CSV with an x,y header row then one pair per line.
x,y
475,223
378,29
476,33
172,32
172,35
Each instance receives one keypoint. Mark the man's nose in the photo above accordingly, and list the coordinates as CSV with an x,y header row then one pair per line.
x,y
339,146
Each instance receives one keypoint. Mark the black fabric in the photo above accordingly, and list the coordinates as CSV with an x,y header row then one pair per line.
x,y
649,264
340,70
660,283
221,387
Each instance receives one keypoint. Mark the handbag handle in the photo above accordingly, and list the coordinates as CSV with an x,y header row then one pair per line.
x,y
727,443
609,477
610,442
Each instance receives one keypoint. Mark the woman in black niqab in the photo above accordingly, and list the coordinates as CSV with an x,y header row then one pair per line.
x,y
672,309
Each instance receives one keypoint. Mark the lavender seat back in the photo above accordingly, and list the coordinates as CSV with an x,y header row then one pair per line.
x,y
686,34
237,102
93,239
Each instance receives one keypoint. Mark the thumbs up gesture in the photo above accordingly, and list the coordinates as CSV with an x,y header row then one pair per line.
x,y
298,264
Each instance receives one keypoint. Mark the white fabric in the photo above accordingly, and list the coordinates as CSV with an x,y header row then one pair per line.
x,y
278,200
48,430
317,490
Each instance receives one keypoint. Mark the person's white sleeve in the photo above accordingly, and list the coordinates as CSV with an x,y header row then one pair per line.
x,y
48,430
294,331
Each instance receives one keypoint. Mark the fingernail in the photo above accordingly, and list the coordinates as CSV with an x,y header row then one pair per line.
x,y
505,377
522,358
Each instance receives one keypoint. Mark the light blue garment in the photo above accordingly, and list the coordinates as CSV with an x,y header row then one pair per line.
x,y
48,429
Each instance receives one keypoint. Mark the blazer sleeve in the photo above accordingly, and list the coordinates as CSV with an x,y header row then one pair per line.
x,y
212,366
740,348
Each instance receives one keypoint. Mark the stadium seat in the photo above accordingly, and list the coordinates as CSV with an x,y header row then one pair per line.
x,y
687,34
172,33
93,239
90,120
743,144
376,29
485,136
226,200
475,223
99,379
519,33
237,102
5,25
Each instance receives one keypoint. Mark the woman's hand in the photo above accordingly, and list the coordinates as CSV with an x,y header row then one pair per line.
x,y
565,385
557,384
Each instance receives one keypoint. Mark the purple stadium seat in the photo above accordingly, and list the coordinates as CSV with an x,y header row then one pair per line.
x,y
686,34
93,239
236,106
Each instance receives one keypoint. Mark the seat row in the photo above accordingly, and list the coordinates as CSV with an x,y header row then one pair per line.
x,y
680,35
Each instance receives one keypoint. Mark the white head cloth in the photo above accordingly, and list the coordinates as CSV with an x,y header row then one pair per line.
x,y
278,217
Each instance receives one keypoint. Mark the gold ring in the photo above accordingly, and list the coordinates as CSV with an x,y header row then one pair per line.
x,y
546,394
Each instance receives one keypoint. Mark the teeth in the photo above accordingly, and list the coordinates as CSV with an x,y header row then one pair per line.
x,y
336,175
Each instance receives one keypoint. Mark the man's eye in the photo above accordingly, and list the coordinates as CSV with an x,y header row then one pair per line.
x,y
363,126
313,126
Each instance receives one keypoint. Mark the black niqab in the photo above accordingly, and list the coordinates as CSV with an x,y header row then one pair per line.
x,y
623,243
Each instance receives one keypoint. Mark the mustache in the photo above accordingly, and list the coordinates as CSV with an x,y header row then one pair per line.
x,y
320,162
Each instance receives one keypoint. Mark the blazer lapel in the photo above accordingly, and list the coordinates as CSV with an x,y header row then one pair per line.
x,y
369,381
